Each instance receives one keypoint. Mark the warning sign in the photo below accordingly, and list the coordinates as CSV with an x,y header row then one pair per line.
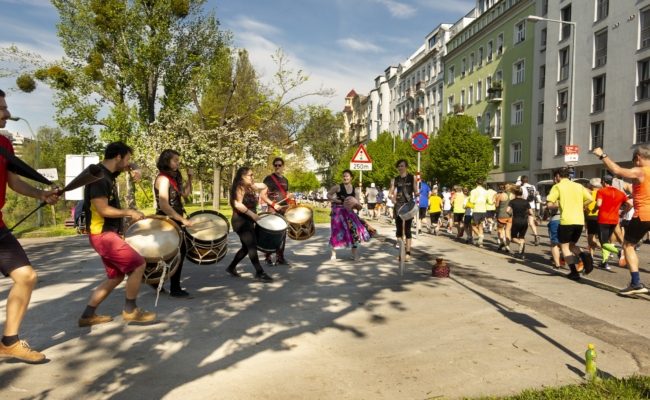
x,y
361,156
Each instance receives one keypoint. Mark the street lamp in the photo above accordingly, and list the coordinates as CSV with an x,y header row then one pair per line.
x,y
39,214
535,18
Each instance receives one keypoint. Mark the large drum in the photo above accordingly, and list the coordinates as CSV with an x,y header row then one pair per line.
x,y
270,231
158,240
300,220
207,238
408,211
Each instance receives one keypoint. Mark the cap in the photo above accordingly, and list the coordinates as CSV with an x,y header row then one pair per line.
x,y
608,179
372,184
595,182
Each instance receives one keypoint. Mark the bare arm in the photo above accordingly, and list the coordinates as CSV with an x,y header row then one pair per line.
x,y
107,211
162,184
20,186
331,195
239,205
634,173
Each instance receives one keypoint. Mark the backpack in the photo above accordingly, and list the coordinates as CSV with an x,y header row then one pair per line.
x,y
531,193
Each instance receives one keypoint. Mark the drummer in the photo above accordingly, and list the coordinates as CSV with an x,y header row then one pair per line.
x,y
403,189
170,190
243,200
104,219
278,199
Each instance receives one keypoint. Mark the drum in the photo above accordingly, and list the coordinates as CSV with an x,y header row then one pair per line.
x,y
207,238
408,211
300,221
270,231
158,240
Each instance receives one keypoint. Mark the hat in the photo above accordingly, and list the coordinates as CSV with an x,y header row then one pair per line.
x,y
608,179
595,182
372,184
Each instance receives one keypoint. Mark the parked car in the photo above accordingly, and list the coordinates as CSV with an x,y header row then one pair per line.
x,y
544,187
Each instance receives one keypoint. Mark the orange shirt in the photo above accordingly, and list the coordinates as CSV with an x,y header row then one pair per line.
x,y
641,196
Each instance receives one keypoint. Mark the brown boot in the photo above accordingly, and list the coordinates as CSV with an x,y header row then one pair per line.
x,y
94,320
21,351
139,315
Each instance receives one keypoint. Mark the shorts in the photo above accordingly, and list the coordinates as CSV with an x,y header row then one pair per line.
x,y
490,214
458,217
118,257
518,229
467,219
371,206
553,230
407,227
605,233
504,221
593,227
478,218
636,230
569,233
435,217
12,255
423,212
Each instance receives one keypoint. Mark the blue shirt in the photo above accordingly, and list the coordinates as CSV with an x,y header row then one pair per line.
x,y
424,195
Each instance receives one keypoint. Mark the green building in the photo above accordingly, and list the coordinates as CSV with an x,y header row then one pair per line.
x,y
489,70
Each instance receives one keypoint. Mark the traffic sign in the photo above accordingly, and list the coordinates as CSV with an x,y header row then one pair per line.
x,y
571,152
361,156
419,141
357,166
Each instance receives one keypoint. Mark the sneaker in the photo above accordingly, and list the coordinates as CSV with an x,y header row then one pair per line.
x,y
536,241
573,275
94,320
139,315
633,289
282,261
21,351
180,293
263,277
588,262
268,260
407,257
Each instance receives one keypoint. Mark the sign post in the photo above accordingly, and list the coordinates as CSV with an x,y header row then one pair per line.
x,y
361,161
419,143
571,154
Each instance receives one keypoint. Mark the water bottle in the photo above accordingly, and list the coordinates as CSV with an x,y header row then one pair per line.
x,y
590,362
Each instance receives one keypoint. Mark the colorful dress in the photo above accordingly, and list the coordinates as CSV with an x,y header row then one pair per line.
x,y
347,229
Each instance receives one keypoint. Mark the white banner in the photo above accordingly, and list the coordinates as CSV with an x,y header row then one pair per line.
x,y
355,166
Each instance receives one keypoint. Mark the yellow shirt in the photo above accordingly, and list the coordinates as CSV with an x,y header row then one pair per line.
x,y
490,200
435,204
459,200
479,196
592,205
571,197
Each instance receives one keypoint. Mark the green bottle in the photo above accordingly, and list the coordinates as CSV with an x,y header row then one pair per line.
x,y
590,363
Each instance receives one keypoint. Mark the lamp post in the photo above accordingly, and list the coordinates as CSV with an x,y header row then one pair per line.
x,y
39,214
535,18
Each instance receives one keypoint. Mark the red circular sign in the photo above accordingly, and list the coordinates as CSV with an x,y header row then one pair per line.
x,y
419,141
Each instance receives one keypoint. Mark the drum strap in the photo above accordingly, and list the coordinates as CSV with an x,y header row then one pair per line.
x,y
279,186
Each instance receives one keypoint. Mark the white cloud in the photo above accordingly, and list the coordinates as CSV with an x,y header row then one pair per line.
x,y
251,25
359,45
397,9
462,7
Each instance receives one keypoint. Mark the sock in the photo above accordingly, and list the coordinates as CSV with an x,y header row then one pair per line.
x,y
636,278
9,340
129,305
88,312
610,248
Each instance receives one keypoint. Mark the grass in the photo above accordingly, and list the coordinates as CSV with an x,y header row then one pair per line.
x,y
321,215
635,387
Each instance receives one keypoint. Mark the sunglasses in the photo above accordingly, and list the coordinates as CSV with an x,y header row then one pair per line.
x,y
278,165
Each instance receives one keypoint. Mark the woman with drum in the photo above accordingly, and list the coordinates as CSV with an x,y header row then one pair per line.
x,y
403,192
347,229
243,200
169,190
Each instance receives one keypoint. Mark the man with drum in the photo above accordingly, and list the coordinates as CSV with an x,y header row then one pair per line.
x,y
402,191
277,198
13,260
104,218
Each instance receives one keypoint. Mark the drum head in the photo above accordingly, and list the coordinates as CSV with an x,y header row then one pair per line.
x,y
298,214
408,211
207,226
154,237
272,222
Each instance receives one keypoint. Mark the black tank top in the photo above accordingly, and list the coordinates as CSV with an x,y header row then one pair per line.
x,y
343,194
174,196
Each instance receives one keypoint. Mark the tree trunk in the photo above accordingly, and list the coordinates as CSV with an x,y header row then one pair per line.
x,y
216,186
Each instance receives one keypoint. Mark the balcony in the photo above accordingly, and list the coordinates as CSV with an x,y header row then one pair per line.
x,y
419,87
409,93
493,133
495,93
419,112
459,109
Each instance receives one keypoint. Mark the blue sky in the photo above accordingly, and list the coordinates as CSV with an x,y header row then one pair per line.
x,y
340,44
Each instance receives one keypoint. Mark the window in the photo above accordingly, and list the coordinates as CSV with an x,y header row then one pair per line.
x,y
450,104
487,122
462,67
462,97
471,62
560,142
517,114
566,28
488,85
544,7
479,90
489,51
480,56
515,153
600,48
542,76
562,105
642,127
597,133
645,28
540,149
498,76
518,72
432,41
542,39
540,113
500,44
564,64
520,32
450,78
470,95
496,155
478,123
643,88
602,9
598,103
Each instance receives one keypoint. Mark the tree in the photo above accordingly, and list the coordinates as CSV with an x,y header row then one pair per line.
x,y
322,135
384,158
302,181
459,154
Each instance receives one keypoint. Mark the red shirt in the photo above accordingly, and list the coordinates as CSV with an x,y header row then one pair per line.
x,y
612,199
4,174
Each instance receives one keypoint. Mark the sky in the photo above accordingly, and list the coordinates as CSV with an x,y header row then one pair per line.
x,y
340,44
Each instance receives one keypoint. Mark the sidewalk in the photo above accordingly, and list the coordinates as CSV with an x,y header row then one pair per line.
x,y
326,329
